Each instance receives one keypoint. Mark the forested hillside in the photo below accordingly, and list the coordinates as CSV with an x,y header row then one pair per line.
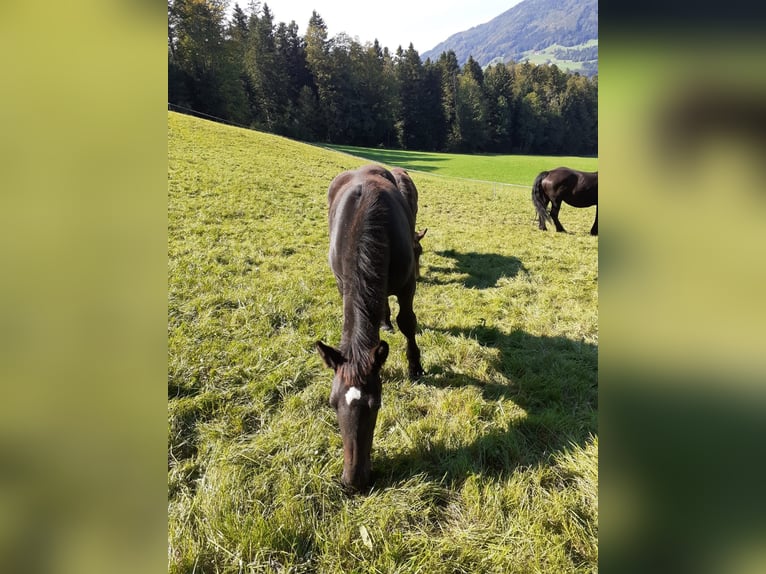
x,y
254,72
560,31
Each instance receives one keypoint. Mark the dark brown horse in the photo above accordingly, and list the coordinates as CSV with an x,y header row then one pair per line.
x,y
371,256
577,188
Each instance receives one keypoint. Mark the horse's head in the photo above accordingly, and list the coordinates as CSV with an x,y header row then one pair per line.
x,y
418,248
355,396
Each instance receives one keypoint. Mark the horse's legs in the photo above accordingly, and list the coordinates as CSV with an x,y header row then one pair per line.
x,y
386,324
407,324
555,206
594,229
540,218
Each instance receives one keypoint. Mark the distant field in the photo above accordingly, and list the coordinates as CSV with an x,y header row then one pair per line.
x,y
512,169
552,54
489,463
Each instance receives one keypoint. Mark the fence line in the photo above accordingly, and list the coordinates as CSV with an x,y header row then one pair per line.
x,y
196,113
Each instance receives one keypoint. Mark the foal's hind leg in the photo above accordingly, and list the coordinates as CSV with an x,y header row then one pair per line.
x,y
555,206
407,324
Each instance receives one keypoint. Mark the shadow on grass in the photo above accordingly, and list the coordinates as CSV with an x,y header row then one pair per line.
x,y
484,270
553,379
405,159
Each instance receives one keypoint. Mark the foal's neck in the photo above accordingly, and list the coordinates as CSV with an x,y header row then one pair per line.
x,y
361,326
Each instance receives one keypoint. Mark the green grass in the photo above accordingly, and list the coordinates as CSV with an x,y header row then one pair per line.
x,y
488,464
548,55
509,169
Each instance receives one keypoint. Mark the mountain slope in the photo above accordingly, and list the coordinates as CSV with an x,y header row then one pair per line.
x,y
564,32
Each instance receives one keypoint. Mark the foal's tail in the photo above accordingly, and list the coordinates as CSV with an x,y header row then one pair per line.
x,y
538,197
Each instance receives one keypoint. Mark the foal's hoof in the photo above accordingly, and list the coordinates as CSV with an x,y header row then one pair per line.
x,y
388,327
416,373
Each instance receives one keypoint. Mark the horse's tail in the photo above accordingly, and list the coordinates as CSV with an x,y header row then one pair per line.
x,y
538,196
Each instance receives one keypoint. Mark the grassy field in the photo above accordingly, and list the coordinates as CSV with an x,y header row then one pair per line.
x,y
509,169
487,464
548,54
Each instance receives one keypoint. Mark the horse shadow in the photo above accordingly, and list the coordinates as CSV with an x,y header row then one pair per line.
x,y
554,381
484,270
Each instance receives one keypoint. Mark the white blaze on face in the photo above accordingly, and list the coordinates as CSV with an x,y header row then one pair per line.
x,y
353,394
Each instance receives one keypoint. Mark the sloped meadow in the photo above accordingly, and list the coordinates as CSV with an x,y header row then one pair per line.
x,y
489,463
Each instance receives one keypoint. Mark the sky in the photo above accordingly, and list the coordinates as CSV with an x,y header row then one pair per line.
x,y
394,22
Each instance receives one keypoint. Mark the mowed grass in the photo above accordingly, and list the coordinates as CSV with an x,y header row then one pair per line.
x,y
487,464
508,169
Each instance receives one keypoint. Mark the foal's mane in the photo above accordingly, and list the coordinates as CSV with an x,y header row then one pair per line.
x,y
366,264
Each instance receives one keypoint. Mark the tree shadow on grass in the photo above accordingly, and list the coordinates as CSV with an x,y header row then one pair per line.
x,y
484,270
553,379
406,159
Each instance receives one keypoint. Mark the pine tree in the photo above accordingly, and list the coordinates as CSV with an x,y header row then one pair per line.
x,y
264,68
450,70
202,70
410,125
433,113
471,114
318,61
498,89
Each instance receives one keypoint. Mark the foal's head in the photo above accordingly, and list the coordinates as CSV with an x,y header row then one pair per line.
x,y
355,396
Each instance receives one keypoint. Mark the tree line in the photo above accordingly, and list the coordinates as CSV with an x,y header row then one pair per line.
x,y
248,70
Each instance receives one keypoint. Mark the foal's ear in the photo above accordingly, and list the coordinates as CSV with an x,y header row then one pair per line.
x,y
421,234
381,354
331,356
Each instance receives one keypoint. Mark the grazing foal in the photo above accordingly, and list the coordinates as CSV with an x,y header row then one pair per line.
x,y
372,257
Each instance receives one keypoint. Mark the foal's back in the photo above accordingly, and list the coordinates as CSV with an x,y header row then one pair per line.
x,y
370,226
